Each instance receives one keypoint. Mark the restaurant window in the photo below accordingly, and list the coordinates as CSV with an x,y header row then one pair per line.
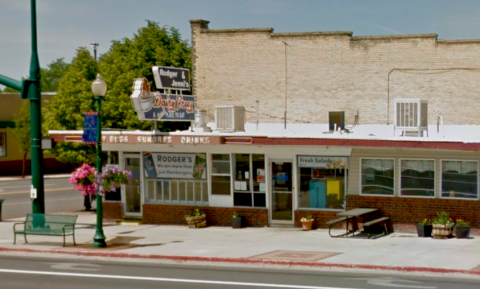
x,y
417,178
322,182
249,186
377,176
459,179
176,178
3,144
221,179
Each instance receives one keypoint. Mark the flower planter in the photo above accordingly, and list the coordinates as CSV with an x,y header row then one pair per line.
x,y
237,222
307,225
197,221
462,232
424,231
441,231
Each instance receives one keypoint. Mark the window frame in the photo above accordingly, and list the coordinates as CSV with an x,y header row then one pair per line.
x,y
4,134
229,175
394,177
251,190
441,180
435,195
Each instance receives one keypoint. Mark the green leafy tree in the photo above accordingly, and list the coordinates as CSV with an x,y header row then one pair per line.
x,y
50,76
126,59
22,131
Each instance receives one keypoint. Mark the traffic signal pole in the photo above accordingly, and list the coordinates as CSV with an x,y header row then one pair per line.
x,y
30,89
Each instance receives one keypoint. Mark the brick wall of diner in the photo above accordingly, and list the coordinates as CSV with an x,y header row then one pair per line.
x,y
112,210
406,212
175,215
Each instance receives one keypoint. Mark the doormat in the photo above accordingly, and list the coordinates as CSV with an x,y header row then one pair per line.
x,y
281,255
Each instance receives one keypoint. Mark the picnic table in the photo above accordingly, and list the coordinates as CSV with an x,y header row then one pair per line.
x,y
351,216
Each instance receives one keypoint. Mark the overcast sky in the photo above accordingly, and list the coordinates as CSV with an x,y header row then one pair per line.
x,y
65,25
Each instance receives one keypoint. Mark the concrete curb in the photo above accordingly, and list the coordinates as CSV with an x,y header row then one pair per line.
x,y
219,260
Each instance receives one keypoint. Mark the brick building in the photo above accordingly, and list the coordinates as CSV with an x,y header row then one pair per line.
x,y
333,122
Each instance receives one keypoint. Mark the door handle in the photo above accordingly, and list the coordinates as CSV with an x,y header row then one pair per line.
x,y
139,190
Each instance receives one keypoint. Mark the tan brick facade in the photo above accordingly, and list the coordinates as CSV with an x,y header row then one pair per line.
x,y
309,74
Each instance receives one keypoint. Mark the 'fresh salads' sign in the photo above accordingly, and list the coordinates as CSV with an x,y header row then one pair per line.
x,y
162,107
322,162
175,166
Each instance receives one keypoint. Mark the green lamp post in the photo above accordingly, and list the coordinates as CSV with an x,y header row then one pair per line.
x,y
99,89
30,89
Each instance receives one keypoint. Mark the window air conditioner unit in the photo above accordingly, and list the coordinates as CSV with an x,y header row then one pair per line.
x,y
411,115
230,118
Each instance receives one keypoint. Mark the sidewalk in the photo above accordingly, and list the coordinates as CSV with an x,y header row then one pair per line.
x,y
289,248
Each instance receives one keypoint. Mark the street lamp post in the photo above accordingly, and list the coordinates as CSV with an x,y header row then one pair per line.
x,y
99,89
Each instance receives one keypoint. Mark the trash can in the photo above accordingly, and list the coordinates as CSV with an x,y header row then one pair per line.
x,y
1,201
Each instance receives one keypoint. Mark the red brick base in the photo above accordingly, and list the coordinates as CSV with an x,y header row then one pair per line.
x,y
175,215
112,210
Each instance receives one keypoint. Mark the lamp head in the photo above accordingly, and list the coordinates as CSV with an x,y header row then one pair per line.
x,y
99,87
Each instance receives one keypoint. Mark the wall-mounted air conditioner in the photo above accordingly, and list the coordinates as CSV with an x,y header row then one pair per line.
x,y
230,118
411,115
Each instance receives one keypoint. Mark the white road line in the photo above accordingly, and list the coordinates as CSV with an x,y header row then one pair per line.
x,y
166,279
50,201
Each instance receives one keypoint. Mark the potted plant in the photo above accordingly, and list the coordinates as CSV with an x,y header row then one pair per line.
x,y
236,220
442,226
196,219
462,229
424,228
307,222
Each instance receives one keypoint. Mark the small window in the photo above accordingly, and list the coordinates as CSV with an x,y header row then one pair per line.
x,y
460,179
249,186
417,178
221,182
3,144
377,177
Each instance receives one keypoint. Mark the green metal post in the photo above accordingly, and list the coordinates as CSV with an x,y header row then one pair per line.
x,y
99,238
37,165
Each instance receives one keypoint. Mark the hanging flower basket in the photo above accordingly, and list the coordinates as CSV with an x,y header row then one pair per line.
x,y
112,178
83,180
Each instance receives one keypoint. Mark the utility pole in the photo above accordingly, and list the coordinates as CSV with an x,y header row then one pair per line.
x,y
94,45
30,89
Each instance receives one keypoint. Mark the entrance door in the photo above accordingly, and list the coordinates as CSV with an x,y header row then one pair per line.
x,y
133,189
282,192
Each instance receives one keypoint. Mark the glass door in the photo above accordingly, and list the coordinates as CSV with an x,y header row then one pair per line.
x,y
133,189
282,192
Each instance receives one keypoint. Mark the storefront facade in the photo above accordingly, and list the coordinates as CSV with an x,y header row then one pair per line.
x,y
276,181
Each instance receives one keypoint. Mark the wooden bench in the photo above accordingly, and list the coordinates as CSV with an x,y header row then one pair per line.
x,y
333,222
49,225
382,220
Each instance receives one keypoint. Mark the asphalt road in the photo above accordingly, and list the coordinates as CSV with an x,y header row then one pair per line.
x,y
59,197
52,273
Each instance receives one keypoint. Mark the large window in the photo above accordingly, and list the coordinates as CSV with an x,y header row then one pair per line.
x,y
377,176
460,179
3,144
322,182
249,185
221,174
417,178
193,192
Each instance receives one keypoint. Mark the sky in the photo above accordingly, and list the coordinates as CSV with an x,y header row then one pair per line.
x,y
65,25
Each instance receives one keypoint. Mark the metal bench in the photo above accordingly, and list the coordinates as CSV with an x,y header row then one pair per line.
x,y
333,222
49,225
382,220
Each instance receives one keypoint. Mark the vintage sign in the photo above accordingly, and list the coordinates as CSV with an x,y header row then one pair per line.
x,y
322,162
90,129
175,165
171,78
162,139
161,107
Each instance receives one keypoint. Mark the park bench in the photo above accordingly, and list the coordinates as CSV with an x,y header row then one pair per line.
x,y
48,225
379,221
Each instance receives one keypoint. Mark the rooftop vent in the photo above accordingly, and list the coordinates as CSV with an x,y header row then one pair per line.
x,y
230,118
411,116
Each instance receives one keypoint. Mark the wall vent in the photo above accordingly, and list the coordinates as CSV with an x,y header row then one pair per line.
x,y
230,118
411,115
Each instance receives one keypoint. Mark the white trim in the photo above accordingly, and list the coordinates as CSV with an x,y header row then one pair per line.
x,y
440,191
360,177
434,176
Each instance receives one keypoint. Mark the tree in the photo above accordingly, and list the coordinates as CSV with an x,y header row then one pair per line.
x,y
50,76
126,59
22,131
